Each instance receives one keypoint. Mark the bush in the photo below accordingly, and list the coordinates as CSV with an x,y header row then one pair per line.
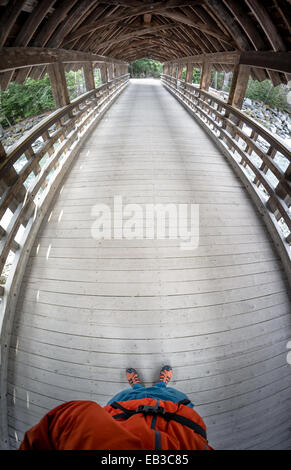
x,y
21,101
265,91
33,97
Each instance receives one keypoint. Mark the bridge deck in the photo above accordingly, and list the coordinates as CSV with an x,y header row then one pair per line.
x,y
218,314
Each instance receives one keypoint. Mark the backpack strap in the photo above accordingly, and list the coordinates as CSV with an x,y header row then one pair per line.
x,y
159,411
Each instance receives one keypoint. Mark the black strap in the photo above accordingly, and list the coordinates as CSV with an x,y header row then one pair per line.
x,y
185,401
160,411
186,422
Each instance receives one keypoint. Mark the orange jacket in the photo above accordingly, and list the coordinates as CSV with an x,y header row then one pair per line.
x,y
85,425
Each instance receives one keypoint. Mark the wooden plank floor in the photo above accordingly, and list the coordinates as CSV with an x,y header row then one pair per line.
x,y
219,314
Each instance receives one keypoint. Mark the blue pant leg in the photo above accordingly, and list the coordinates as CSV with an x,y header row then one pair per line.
x,y
126,394
137,386
160,384
170,393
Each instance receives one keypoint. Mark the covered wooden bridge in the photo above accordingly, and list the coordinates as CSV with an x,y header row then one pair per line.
x,y
76,311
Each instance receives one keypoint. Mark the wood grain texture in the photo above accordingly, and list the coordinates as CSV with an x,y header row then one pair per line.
x,y
220,314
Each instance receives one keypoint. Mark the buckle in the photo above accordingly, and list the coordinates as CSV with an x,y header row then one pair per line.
x,y
151,410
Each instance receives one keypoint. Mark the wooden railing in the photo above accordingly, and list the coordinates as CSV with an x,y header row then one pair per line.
x,y
29,172
261,161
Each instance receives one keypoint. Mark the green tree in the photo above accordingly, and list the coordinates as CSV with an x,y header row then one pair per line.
x,y
145,68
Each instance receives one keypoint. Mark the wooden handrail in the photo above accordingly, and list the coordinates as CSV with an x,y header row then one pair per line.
x,y
69,121
224,124
246,119
18,149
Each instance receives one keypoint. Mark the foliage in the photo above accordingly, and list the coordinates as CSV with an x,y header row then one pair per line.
x,y
75,83
22,101
275,97
217,80
97,77
196,76
265,91
145,68
33,97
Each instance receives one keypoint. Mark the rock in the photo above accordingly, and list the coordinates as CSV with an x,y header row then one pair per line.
x,y
260,115
247,102
273,128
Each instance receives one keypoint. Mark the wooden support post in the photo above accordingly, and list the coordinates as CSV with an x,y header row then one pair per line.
x,y
5,78
89,76
110,71
103,71
239,83
58,83
2,153
205,76
173,70
180,72
120,70
189,73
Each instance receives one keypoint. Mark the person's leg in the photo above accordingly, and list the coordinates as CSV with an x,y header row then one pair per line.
x,y
132,377
137,386
169,393
166,374
128,393
160,384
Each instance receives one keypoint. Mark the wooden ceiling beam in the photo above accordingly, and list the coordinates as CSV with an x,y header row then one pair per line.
x,y
238,10
203,15
17,57
267,25
111,31
48,29
80,10
181,18
12,10
134,34
198,39
222,15
231,57
278,61
32,23
169,45
140,10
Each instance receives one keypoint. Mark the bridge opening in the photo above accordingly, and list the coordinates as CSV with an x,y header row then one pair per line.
x,y
145,68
